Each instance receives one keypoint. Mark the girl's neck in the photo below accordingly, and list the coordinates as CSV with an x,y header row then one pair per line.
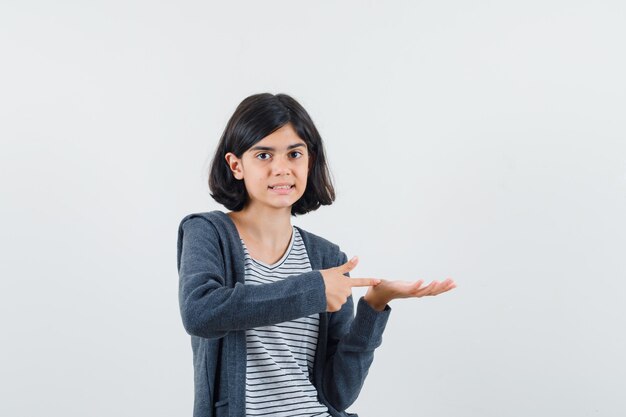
x,y
265,225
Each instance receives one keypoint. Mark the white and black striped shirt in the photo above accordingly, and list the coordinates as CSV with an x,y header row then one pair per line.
x,y
280,357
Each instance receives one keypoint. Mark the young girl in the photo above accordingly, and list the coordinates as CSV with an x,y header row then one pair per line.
x,y
269,305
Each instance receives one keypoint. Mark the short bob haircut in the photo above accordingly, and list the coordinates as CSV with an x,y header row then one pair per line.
x,y
256,117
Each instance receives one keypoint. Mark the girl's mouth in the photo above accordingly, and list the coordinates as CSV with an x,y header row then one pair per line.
x,y
281,187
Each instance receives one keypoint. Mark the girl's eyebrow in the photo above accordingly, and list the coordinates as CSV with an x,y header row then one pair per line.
x,y
269,148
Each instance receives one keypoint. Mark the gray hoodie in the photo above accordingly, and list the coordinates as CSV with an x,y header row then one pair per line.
x,y
217,308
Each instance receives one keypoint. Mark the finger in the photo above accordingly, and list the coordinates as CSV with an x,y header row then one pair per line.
x,y
437,289
451,285
447,285
415,287
348,266
427,290
363,282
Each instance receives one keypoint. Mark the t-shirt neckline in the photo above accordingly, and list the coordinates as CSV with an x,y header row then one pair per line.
x,y
282,258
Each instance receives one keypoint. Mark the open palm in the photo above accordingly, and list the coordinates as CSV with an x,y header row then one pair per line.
x,y
379,295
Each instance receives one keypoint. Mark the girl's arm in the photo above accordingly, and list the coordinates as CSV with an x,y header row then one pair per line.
x,y
351,343
209,309
350,349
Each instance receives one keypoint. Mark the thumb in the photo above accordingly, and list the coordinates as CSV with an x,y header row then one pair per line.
x,y
348,266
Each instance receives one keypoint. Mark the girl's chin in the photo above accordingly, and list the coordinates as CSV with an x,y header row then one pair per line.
x,y
279,201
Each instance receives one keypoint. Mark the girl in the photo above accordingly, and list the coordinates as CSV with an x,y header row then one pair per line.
x,y
269,305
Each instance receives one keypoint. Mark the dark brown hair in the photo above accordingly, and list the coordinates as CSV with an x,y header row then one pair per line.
x,y
256,117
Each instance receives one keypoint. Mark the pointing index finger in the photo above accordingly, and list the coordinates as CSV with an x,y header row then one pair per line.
x,y
363,282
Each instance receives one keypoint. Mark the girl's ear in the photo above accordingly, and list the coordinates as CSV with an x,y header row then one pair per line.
x,y
234,164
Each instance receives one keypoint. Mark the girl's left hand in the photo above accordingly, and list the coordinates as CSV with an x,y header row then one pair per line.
x,y
378,296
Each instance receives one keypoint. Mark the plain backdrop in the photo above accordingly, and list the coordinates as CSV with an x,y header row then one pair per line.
x,y
483,141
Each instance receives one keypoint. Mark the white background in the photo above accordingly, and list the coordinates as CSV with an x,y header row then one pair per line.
x,y
482,140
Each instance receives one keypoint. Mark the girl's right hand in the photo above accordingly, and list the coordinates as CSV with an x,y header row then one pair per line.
x,y
339,287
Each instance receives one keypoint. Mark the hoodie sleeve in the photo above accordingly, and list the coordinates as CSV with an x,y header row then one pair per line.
x,y
209,309
350,349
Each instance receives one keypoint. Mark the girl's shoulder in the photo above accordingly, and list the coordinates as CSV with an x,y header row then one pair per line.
x,y
212,216
214,223
212,230
218,218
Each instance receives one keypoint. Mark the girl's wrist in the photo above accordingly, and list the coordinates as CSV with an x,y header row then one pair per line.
x,y
377,305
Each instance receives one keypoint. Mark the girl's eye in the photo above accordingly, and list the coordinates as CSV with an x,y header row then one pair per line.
x,y
263,156
296,154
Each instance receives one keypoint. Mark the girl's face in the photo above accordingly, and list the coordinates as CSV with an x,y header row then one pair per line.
x,y
274,170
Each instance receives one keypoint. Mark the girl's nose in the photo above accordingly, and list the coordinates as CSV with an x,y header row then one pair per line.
x,y
280,167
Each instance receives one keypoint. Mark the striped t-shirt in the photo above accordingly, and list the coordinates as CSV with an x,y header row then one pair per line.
x,y
280,357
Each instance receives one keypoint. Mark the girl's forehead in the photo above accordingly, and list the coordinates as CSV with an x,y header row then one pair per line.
x,y
283,138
